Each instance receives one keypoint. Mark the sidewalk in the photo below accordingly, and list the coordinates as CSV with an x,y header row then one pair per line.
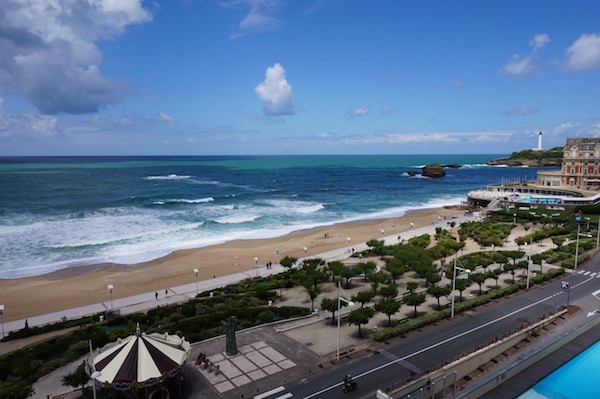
x,y
182,293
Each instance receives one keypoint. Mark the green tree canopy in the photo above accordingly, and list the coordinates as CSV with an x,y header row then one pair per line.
x,y
331,305
363,297
437,292
389,291
389,307
77,378
359,317
414,299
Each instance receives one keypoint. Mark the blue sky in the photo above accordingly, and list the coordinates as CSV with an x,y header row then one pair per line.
x,y
211,77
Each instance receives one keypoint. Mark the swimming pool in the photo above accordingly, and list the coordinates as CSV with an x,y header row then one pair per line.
x,y
575,379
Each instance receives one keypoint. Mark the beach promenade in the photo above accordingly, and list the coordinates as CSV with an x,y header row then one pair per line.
x,y
181,293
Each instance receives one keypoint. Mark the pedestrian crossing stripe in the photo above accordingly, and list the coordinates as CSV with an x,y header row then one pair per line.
x,y
272,392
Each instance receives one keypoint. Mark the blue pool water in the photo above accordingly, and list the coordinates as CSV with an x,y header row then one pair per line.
x,y
576,379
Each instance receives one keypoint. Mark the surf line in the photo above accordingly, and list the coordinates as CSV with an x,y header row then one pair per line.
x,y
363,374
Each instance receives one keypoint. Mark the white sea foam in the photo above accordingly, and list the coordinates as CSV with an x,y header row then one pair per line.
x,y
301,207
169,177
416,176
192,201
475,165
234,219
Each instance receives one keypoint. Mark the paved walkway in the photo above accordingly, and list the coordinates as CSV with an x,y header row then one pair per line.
x,y
182,293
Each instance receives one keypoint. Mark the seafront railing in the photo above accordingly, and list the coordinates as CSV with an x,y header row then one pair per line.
x,y
399,384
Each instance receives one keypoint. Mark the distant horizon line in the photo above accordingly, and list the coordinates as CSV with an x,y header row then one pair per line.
x,y
239,155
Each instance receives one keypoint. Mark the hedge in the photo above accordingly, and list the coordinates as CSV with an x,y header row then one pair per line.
x,y
421,321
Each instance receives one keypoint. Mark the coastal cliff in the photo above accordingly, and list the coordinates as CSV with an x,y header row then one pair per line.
x,y
552,157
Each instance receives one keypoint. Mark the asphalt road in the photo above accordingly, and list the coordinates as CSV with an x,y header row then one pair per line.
x,y
433,345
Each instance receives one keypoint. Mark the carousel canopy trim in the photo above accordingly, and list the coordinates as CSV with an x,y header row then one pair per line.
x,y
141,358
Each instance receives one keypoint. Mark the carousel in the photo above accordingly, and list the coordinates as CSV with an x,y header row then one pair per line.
x,y
141,366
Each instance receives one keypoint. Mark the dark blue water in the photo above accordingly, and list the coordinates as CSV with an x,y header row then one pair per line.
x,y
56,212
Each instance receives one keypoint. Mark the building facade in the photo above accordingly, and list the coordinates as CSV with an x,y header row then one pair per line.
x,y
580,166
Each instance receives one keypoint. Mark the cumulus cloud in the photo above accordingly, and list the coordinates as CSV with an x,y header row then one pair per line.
x,y
567,128
258,19
358,111
584,53
522,110
26,126
48,52
521,65
167,118
275,92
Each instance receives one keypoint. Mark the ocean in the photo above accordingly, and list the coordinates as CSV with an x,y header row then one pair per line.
x,y
57,212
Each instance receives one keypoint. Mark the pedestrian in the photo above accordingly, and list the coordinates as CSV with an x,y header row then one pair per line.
x,y
26,323
156,294
166,292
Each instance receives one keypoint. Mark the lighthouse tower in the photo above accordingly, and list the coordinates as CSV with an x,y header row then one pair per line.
x,y
539,147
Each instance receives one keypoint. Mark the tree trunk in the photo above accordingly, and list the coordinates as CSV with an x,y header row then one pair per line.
x,y
359,332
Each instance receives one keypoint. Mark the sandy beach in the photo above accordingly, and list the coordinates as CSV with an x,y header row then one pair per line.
x,y
78,286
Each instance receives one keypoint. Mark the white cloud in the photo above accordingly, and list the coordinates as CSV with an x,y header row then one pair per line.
x,y
48,51
403,138
584,53
167,118
522,110
567,128
275,92
539,41
26,126
521,65
359,111
389,110
258,19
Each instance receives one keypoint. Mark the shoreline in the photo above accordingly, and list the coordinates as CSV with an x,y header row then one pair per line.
x,y
83,285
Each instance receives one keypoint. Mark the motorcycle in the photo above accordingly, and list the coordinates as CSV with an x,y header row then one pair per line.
x,y
349,386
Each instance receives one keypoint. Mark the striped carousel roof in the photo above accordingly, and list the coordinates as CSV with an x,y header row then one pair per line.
x,y
140,358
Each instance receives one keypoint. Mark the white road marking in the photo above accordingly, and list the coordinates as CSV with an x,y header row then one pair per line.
x,y
445,341
269,393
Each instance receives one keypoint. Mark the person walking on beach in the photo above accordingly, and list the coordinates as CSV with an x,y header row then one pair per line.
x,y
156,295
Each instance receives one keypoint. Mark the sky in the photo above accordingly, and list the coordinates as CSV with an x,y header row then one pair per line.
x,y
277,77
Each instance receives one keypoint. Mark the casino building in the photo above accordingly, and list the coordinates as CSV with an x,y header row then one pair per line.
x,y
579,168
576,183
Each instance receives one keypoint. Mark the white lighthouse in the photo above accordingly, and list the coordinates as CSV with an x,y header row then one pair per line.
x,y
539,147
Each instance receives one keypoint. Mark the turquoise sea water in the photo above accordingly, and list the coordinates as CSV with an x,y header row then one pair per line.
x,y
576,379
59,212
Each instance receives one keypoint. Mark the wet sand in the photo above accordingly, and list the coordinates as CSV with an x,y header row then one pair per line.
x,y
78,286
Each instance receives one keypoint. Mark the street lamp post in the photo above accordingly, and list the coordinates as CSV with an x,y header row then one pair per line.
x,y
95,373
577,245
2,319
514,219
350,303
196,272
454,281
529,260
598,235
110,289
